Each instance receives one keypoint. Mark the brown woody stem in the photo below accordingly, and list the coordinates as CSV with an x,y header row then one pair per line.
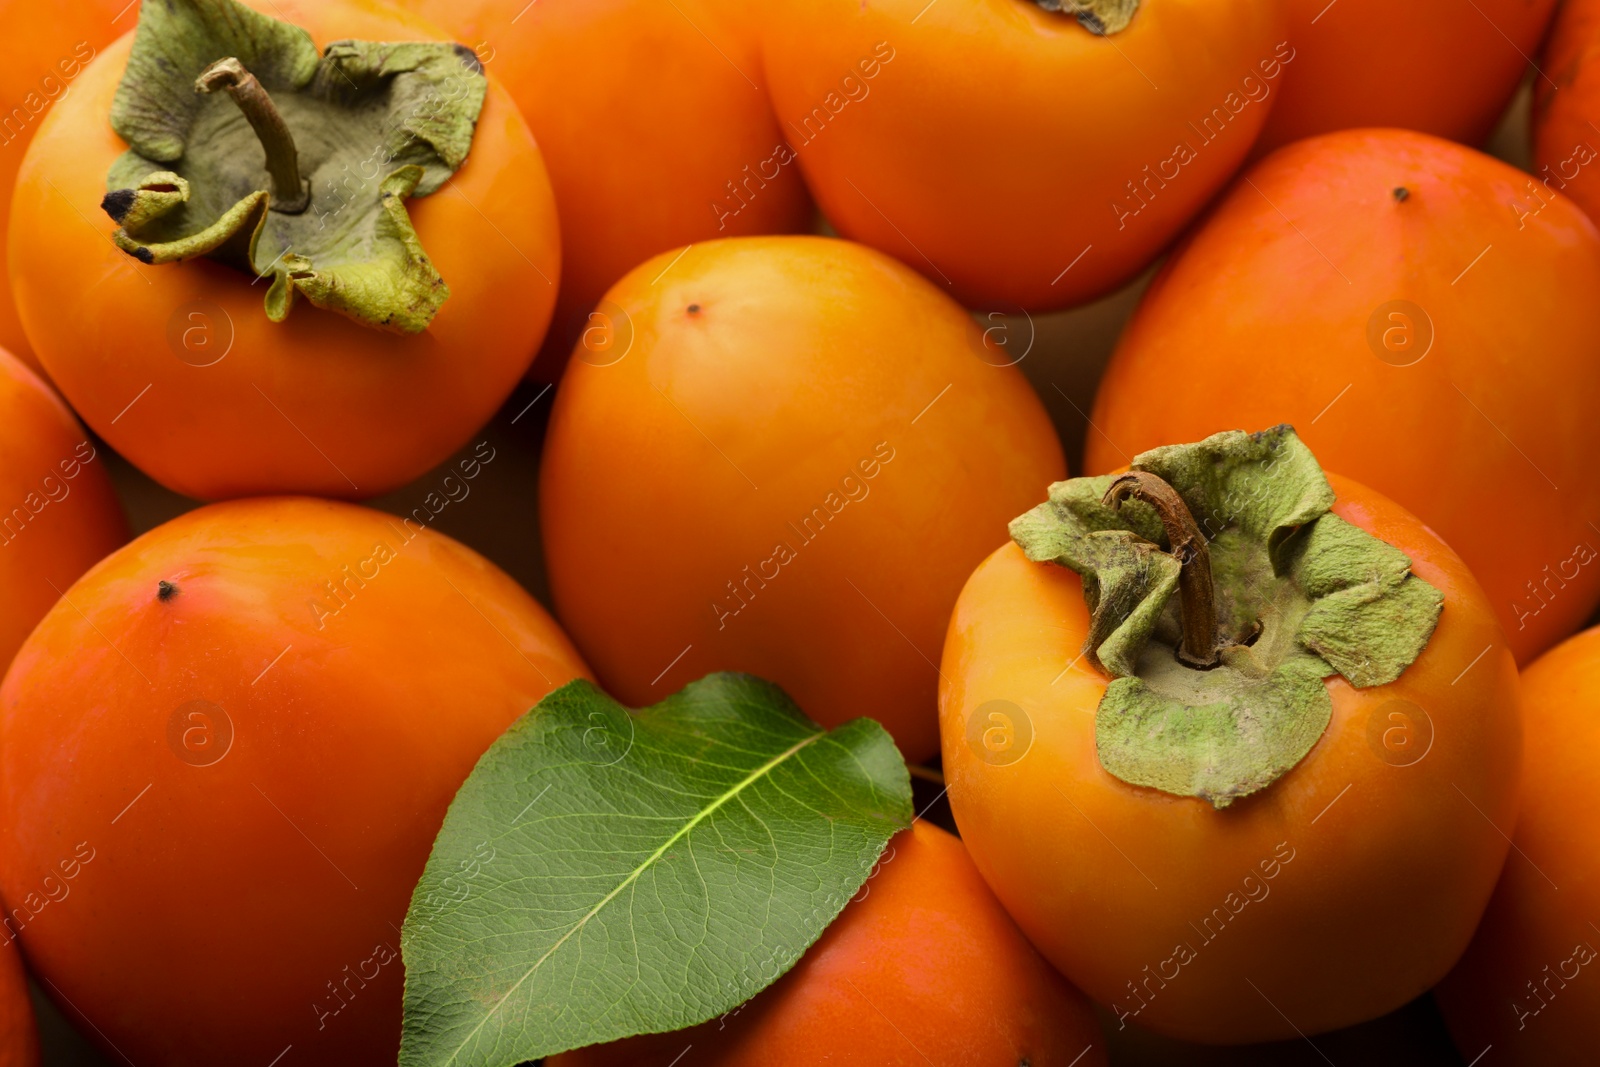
x,y
1199,645
290,194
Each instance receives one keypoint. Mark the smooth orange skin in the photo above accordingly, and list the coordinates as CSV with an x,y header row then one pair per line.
x,y
988,152
316,404
922,967
1391,865
645,112
42,53
221,899
1533,924
1439,66
1566,101
708,443
52,528
1259,321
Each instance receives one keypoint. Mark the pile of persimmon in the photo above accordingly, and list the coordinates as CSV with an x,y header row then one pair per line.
x,y
854,727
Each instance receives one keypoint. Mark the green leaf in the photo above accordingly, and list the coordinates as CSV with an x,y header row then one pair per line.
x,y
605,873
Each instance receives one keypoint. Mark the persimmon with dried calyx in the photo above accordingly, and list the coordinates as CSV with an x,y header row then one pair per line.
x,y
1431,65
1434,334
1526,986
59,515
1033,153
264,707
923,963
606,87
808,447
42,52
1566,148
325,270
1183,790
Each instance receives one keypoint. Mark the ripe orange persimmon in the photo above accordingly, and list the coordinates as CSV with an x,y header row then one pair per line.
x,y
1526,985
654,121
1011,154
42,52
1566,147
226,754
922,967
58,513
806,448
1444,67
178,366
1431,328
1337,892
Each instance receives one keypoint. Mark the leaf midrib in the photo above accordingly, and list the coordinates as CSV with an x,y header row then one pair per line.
x,y
700,816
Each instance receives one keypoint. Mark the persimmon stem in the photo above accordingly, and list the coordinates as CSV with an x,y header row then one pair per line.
x,y
291,195
1198,648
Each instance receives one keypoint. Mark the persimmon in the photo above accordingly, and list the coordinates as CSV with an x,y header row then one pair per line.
x,y
1438,66
1295,834
1430,327
807,447
1017,155
58,513
922,963
654,122
1525,983
234,740
404,322
1566,102
42,52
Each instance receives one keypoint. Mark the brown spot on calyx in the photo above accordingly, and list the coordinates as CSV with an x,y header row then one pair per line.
x,y
1401,194
116,203
165,591
469,58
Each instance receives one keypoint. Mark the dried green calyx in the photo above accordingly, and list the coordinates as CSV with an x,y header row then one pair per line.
x,y
248,147
1101,17
1295,595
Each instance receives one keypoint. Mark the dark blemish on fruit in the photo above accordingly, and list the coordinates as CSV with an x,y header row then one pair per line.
x,y
116,203
1400,194
694,309
165,591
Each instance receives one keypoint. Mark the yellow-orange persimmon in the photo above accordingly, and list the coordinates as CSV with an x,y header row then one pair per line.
x,y
177,365
42,52
1430,329
782,456
1337,893
1011,154
1566,148
1526,985
654,121
58,513
1440,66
923,966
240,733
